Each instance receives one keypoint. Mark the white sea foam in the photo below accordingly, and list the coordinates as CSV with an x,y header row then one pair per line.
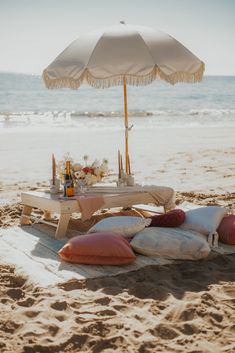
x,y
113,121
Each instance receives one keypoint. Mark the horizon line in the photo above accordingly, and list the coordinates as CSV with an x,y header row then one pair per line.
x,y
34,74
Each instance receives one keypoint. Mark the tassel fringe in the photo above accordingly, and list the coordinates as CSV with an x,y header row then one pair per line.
x,y
133,80
213,239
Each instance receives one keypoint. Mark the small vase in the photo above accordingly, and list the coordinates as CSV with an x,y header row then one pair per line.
x,y
55,188
130,180
81,186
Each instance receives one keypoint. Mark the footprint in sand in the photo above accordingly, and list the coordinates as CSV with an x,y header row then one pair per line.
x,y
88,316
216,316
232,329
60,306
187,329
188,314
9,326
107,312
61,318
103,301
15,293
26,302
73,344
52,329
31,313
13,280
110,344
164,331
97,329
120,307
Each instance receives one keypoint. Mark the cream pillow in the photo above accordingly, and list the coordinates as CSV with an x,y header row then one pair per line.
x,y
204,220
173,243
123,225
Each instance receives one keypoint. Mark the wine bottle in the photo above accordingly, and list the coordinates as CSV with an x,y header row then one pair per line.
x,y
68,181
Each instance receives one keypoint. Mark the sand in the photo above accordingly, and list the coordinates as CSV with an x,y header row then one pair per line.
x,y
186,307
187,159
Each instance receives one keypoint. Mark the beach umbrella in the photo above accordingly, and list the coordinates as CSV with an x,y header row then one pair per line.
x,y
120,55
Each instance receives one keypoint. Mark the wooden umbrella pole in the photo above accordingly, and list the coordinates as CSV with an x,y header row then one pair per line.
x,y
126,125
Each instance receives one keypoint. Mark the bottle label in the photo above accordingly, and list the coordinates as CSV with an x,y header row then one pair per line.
x,y
69,189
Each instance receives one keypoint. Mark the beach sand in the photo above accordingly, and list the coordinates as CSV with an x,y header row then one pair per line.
x,y
187,159
185,307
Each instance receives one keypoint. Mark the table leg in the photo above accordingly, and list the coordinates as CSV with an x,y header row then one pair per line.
x,y
26,212
62,225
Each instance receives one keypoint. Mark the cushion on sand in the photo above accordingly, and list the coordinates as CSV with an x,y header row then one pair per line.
x,y
204,220
226,230
122,225
173,243
172,218
98,249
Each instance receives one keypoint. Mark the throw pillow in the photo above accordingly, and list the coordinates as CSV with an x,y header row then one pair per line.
x,y
126,226
172,218
173,243
204,220
226,230
98,249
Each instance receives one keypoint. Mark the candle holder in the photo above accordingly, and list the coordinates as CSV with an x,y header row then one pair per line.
x,y
54,186
130,180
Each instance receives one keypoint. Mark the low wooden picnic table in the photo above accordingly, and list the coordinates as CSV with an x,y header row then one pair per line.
x,y
113,197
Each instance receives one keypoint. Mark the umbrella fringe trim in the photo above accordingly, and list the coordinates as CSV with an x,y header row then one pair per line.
x,y
134,80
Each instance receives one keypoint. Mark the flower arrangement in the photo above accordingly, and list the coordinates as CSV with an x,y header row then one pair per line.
x,y
84,174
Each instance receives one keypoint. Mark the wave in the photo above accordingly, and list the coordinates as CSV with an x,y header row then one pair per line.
x,y
113,121
115,114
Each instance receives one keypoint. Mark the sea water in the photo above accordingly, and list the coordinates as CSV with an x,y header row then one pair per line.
x,y
25,103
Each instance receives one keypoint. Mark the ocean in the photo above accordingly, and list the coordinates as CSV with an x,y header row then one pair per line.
x,y
26,103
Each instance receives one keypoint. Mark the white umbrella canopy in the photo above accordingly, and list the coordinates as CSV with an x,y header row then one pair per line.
x,y
120,55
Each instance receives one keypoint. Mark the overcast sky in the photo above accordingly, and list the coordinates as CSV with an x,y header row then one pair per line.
x,y
34,32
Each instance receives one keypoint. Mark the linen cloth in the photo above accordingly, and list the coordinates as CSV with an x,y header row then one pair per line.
x,y
89,204
161,195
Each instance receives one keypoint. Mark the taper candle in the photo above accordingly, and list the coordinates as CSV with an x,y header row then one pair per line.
x,y
129,165
53,169
119,165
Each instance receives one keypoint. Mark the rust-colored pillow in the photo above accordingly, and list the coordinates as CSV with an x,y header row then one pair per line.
x,y
226,230
98,249
172,218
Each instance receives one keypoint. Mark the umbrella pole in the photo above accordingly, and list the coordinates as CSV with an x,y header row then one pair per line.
x,y
126,125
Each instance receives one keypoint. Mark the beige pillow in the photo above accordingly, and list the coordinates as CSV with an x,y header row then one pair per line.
x,y
126,226
204,220
173,243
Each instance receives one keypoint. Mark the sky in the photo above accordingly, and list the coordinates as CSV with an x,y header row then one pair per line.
x,y
34,32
